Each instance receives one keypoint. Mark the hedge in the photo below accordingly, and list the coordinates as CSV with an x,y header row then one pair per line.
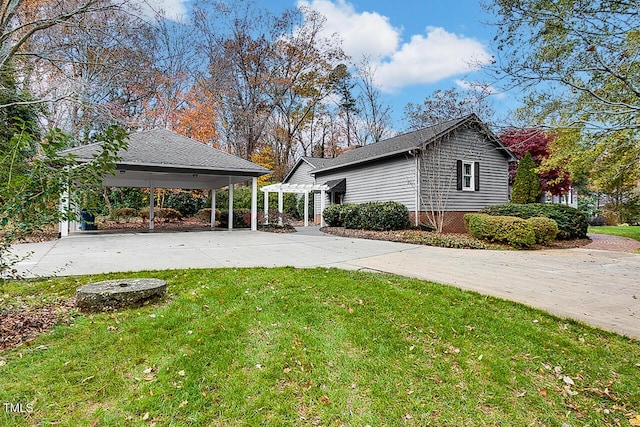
x,y
514,231
545,229
572,224
368,216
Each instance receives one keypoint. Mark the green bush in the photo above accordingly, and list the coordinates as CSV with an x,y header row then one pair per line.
x,y
161,213
382,216
350,214
572,224
241,218
545,229
514,231
368,216
186,202
136,198
333,215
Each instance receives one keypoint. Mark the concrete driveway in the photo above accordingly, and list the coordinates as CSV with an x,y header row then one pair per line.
x,y
601,288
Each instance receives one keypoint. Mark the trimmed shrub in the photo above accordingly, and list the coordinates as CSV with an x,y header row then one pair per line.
x,y
514,231
378,216
350,214
241,218
382,216
572,224
333,215
526,184
161,213
124,213
545,229
205,214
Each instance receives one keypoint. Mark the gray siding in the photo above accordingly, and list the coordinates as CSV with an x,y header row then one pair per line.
x,y
392,179
301,174
439,176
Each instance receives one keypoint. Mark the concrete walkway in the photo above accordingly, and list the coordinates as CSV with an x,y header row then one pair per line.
x,y
598,287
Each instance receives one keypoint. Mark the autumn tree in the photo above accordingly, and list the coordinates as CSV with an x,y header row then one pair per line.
x,y
579,61
553,179
197,117
526,186
239,40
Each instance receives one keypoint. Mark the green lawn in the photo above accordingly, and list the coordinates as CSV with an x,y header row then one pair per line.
x,y
632,232
315,347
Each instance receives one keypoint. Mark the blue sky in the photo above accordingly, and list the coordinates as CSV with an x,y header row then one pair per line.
x,y
418,46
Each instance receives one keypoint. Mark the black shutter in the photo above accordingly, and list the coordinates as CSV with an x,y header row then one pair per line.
x,y
459,173
476,175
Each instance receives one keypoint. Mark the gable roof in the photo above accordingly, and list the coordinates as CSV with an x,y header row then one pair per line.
x,y
406,142
161,150
314,162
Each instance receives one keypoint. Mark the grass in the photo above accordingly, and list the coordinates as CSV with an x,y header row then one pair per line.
x,y
314,347
632,232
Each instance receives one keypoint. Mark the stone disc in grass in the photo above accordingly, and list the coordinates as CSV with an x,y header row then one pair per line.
x,y
115,294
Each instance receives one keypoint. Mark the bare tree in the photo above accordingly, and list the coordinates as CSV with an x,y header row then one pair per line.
x,y
446,105
375,114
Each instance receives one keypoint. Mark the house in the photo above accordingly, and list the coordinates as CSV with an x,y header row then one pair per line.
x,y
440,173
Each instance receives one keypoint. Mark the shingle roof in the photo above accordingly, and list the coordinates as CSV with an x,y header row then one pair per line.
x,y
161,149
400,144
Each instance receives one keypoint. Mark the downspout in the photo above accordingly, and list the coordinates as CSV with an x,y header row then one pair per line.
x,y
416,155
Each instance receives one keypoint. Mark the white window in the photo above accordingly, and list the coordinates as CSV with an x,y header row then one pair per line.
x,y
467,176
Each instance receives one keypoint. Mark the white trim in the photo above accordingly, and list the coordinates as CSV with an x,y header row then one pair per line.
x,y
294,188
472,177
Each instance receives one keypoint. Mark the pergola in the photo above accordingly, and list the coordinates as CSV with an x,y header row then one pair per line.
x,y
299,189
160,158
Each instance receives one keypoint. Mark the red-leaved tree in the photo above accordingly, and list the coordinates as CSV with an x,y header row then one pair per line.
x,y
535,141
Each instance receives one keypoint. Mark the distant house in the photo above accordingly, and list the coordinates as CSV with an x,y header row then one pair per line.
x,y
439,173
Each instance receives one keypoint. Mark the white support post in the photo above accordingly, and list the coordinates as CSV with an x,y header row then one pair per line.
x,y
63,227
152,191
280,208
213,208
306,208
230,205
254,204
322,204
266,207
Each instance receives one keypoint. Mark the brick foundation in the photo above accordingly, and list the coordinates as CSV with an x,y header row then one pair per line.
x,y
453,221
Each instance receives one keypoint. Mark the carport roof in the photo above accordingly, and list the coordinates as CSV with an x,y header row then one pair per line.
x,y
160,150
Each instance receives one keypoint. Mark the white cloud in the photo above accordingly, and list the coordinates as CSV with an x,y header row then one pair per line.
x,y
173,10
426,58
366,33
431,58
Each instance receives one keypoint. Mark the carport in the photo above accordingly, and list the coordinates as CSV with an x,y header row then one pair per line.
x,y
160,158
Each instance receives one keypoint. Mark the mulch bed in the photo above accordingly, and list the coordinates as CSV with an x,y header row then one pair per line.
x,y
401,236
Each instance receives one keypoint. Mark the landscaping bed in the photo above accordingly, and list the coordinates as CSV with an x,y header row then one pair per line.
x,y
419,237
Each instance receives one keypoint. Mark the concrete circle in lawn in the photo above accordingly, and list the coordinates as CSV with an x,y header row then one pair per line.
x,y
121,293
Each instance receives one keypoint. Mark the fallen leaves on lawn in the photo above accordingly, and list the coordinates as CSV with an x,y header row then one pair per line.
x,y
21,326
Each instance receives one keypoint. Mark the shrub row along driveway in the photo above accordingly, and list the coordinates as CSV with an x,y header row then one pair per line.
x,y
598,287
